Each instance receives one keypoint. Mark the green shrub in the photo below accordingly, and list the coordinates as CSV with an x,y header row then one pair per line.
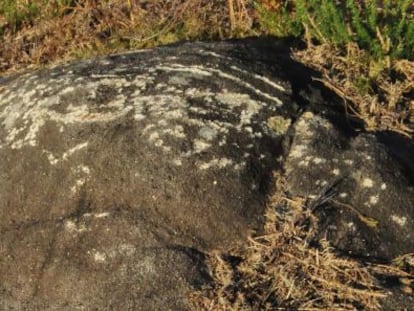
x,y
385,31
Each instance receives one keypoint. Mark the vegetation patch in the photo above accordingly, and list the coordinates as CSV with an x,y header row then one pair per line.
x,y
286,268
40,32
363,49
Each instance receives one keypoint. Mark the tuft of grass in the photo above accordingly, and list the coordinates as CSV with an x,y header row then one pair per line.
x,y
286,269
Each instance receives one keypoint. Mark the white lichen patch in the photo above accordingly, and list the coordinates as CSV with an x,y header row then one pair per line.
x,y
160,143
192,70
239,166
73,227
153,137
126,249
207,133
162,123
262,78
27,114
250,107
399,220
367,183
336,171
303,131
101,215
248,129
177,162
216,163
164,119
73,150
308,116
147,128
270,82
383,186
85,169
54,160
200,145
206,71
78,184
177,132
67,90
317,160
83,172
174,114
373,199
351,226
343,195
99,257
298,151
139,117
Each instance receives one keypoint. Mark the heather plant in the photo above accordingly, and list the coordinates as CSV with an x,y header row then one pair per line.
x,y
384,29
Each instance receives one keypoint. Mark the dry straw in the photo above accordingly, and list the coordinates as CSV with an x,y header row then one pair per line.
x,y
280,270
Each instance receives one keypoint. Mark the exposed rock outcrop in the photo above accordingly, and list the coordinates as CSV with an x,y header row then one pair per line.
x,y
373,200
116,174
114,170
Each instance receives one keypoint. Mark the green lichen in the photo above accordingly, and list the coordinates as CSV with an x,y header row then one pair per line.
x,y
279,125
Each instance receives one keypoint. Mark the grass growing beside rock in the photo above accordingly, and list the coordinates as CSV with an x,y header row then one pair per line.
x,y
363,49
279,270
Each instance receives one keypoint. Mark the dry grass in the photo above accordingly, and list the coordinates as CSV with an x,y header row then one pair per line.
x,y
91,28
280,270
380,94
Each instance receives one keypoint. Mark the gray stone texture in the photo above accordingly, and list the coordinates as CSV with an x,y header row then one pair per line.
x,y
370,214
118,174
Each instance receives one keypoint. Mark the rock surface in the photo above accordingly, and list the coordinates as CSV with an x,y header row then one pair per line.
x,y
371,212
113,171
116,174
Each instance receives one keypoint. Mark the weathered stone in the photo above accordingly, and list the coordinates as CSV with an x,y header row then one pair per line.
x,y
116,174
371,212
107,166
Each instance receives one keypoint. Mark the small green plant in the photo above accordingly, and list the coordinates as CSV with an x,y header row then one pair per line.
x,y
364,50
385,30
16,13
